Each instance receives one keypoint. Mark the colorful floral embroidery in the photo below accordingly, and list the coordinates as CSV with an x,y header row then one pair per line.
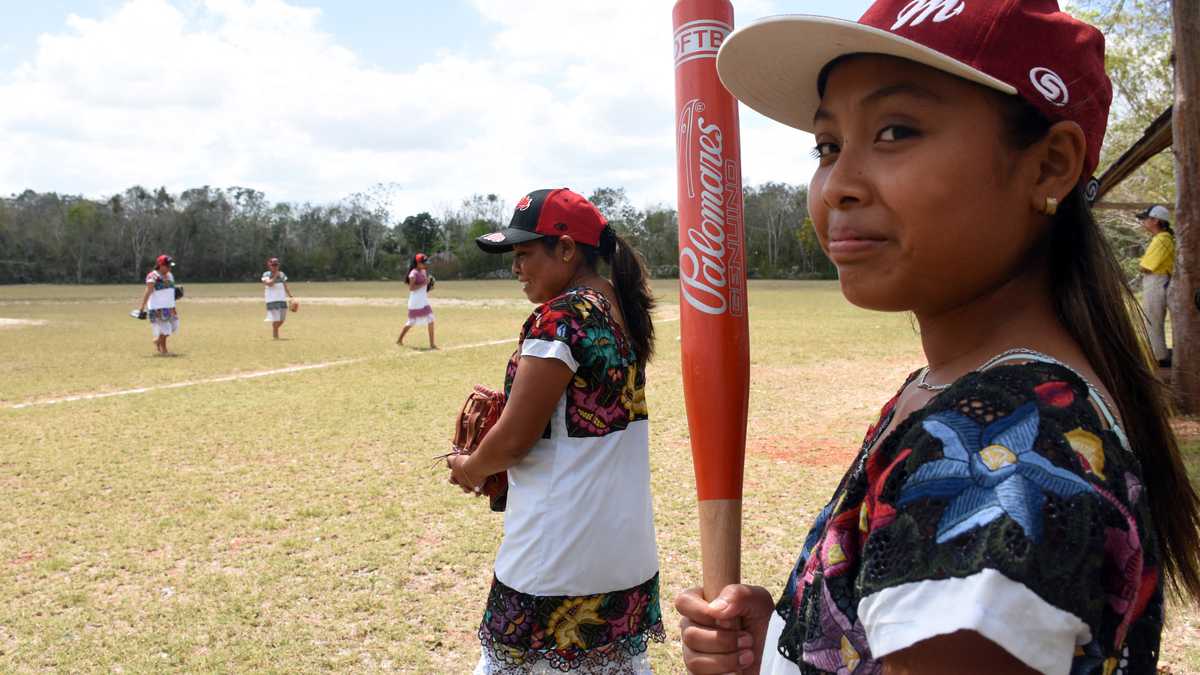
x,y
988,472
572,615
1090,449
1010,470
567,632
160,282
608,390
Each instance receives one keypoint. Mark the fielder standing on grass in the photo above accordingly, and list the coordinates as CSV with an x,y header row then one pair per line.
x,y
277,293
158,303
1021,504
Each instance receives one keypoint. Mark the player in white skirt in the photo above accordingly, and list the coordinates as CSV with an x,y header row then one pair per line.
x,y
159,302
277,293
419,312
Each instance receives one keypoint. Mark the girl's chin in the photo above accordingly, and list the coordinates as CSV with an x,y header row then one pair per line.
x,y
879,297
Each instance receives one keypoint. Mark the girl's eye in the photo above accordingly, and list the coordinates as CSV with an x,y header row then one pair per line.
x,y
895,132
823,150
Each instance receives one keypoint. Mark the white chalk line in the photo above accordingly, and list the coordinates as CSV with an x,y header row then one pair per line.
x,y
258,374
242,376
20,323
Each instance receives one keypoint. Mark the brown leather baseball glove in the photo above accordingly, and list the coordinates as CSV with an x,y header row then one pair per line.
x,y
478,415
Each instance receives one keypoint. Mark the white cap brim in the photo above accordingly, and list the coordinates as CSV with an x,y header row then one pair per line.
x,y
772,65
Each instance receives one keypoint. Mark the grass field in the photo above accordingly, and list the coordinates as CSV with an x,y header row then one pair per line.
x,y
230,518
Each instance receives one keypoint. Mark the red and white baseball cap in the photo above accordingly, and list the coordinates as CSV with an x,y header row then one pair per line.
x,y
1026,48
548,213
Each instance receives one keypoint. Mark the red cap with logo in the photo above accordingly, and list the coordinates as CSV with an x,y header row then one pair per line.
x,y
1026,48
548,213
164,259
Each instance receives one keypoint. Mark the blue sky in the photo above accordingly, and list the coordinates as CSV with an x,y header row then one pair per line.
x,y
370,27
442,98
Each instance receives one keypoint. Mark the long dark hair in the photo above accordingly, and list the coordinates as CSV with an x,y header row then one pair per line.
x,y
1096,306
631,282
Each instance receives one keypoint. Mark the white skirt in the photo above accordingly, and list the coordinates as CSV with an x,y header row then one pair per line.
x,y
274,315
419,311
161,327
419,320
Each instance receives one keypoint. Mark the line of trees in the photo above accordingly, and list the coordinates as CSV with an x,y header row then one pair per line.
x,y
226,234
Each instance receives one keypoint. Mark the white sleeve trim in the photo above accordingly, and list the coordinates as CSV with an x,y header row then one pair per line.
x,y
773,662
550,349
1042,636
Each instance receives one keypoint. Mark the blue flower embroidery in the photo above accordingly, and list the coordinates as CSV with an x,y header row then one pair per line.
x,y
988,472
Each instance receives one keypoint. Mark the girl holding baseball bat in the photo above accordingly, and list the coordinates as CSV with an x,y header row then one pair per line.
x,y
576,577
1021,505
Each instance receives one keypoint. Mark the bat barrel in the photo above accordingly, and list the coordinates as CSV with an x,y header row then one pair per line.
x,y
714,324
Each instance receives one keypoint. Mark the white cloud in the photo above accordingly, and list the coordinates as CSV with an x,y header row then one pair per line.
x,y
255,93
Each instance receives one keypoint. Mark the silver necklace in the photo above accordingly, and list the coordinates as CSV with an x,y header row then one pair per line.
x,y
922,384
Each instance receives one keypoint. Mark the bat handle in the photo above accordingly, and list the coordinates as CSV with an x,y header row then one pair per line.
x,y
720,545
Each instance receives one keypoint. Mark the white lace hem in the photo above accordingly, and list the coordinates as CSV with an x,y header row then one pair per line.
x,y
638,664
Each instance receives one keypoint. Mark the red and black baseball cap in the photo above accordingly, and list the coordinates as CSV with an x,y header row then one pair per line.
x,y
1025,48
420,257
164,259
548,213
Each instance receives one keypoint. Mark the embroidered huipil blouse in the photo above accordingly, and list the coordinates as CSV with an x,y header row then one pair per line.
x,y
576,576
275,296
1010,505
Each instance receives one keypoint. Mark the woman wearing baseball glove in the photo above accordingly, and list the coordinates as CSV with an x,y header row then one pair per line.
x,y
576,576
158,303
420,313
1020,505
277,293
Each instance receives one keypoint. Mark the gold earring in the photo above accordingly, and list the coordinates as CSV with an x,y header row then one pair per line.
x,y
1051,206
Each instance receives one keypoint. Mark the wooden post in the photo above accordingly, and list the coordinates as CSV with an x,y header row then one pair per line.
x,y
1185,315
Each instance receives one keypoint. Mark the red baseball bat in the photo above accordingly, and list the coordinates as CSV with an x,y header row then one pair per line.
x,y
715,332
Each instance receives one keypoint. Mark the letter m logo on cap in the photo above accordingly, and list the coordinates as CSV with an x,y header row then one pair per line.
x,y
938,11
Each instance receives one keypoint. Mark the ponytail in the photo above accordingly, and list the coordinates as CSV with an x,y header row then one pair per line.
x,y
630,279
631,282
1093,301
1097,308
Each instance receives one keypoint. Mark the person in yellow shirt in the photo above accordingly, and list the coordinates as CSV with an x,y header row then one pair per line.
x,y
1156,265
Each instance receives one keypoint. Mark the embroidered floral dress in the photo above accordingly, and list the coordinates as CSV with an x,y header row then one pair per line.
x,y
1008,506
420,312
275,297
160,308
576,585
